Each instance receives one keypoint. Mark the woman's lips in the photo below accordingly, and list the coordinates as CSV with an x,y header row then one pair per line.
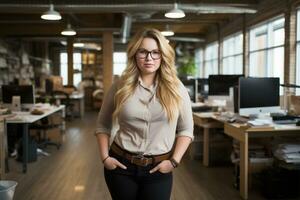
x,y
148,65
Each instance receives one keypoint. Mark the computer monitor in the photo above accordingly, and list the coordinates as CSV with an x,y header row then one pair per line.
x,y
26,93
48,86
219,90
258,95
218,85
191,86
202,87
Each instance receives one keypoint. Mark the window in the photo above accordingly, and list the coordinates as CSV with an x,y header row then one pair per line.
x,y
199,63
267,49
77,65
298,54
211,59
120,62
64,67
233,54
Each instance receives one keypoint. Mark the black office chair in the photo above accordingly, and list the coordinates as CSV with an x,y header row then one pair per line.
x,y
43,97
45,125
64,98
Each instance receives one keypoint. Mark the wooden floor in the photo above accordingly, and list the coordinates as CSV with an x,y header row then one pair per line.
x,y
75,173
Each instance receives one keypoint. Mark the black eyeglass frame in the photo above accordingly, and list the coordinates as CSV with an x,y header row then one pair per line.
x,y
147,53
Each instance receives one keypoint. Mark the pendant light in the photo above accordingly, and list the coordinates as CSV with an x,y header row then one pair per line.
x,y
51,14
167,31
68,31
175,12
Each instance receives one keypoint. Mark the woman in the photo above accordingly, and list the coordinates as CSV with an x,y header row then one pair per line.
x,y
154,114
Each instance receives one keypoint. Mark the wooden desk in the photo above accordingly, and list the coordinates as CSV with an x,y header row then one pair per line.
x,y
207,122
2,147
24,119
242,134
76,97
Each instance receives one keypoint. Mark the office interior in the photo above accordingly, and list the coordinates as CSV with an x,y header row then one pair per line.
x,y
238,59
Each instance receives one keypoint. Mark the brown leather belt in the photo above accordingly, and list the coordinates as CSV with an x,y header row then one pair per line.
x,y
139,159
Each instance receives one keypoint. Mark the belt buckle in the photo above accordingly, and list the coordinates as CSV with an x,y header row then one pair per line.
x,y
139,159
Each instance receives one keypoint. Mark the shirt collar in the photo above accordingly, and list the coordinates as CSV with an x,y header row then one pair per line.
x,y
152,87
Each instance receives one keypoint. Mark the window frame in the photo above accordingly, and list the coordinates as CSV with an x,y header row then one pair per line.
x,y
234,55
65,78
268,49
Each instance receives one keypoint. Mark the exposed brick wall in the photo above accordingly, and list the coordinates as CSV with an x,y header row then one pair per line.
x,y
290,46
245,47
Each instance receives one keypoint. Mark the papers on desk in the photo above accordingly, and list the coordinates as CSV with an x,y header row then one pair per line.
x,y
264,124
206,114
260,122
257,153
42,105
4,111
289,153
20,116
197,104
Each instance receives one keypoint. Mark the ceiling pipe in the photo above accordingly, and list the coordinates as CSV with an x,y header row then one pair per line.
x,y
126,27
116,8
187,39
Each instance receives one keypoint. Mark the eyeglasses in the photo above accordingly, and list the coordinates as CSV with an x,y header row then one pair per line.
x,y
143,53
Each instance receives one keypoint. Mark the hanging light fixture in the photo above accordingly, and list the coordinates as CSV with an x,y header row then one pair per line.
x,y
68,31
167,31
78,44
175,12
51,14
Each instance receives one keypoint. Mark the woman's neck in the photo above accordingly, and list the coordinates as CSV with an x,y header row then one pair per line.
x,y
148,79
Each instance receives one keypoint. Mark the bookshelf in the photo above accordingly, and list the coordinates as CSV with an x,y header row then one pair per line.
x,y
15,68
91,75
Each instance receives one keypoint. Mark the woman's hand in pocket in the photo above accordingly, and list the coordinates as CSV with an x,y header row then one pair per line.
x,y
111,163
163,167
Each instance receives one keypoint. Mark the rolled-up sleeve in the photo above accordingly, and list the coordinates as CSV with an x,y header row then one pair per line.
x,y
105,121
185,123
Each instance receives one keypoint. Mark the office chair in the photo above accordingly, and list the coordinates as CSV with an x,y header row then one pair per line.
x,y
45,125
65,100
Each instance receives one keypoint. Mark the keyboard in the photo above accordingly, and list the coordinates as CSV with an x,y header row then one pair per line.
x,y
286,119
201,108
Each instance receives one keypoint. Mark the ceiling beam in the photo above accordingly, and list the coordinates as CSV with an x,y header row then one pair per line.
x,y
229,7
49,30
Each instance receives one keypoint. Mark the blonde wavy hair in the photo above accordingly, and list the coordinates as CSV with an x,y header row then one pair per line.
x,y
168,83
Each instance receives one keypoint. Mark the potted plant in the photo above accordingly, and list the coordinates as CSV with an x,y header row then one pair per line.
x,y
187,66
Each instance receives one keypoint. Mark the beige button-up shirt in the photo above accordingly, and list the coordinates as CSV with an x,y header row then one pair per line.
x,y
143,123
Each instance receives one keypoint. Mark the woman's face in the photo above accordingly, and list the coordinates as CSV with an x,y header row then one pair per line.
x,y
148,57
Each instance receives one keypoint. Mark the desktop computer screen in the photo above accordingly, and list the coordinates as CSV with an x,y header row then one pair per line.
x,y
218,85
191,86
26,93
203,86
48,86
258,95
219,90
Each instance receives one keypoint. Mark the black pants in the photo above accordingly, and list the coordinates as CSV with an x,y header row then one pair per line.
x,y
136,183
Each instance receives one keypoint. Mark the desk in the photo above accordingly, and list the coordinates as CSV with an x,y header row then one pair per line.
x,y
24,119
243,133
75,97
207,122
2,147
78,97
